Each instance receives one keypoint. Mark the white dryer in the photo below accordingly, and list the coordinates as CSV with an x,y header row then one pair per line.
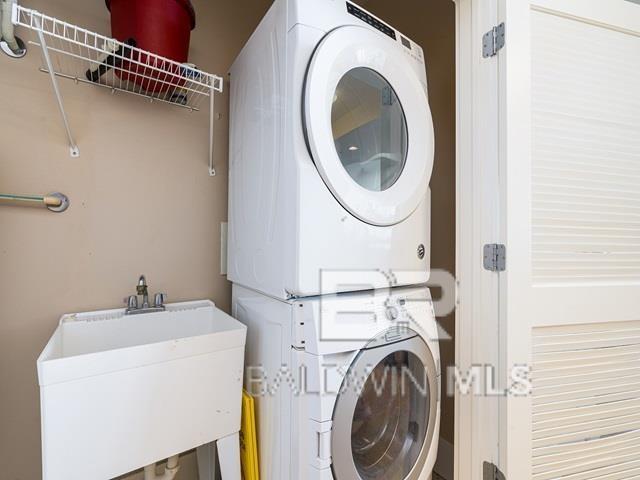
x,y
331,152
347,387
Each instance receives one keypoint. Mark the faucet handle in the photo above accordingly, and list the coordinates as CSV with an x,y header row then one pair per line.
x,y
132,302
159,299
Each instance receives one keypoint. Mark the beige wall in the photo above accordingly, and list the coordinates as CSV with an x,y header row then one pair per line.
x,y
142,201
431,24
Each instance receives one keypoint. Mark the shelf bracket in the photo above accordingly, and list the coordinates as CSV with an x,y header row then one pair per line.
x,y
73,147
212,113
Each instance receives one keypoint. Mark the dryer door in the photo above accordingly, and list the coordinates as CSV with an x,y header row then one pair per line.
x,y
385,416
368,124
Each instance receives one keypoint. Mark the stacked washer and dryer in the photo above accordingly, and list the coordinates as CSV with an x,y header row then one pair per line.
x,y
331,151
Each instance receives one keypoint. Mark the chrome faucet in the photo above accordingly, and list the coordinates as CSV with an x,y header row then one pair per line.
x,y
143,290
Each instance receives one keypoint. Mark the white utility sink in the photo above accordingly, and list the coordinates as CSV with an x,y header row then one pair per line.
x,y
122,391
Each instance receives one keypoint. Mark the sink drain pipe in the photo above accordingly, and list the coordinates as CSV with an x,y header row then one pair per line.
x,y
10,44
169,473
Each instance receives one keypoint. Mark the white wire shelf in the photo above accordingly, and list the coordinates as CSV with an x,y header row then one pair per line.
x,y
87,57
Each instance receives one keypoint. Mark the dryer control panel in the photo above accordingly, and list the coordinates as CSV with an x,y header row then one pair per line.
x,y
410,48
371,20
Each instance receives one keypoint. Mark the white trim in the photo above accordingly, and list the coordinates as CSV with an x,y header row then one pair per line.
x,y
477,418
464,146
445,461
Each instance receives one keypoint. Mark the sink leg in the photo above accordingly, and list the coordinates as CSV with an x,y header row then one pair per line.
x,y
206,455
229,457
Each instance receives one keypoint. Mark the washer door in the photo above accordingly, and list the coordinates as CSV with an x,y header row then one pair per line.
x,y
385,415
368,125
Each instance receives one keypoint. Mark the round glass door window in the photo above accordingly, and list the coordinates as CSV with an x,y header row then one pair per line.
x,y
391,418
369,129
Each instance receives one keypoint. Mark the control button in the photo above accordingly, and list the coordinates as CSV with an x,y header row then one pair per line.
x,y
392,313
365,17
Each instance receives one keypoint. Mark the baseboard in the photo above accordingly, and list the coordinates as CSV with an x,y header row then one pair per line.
x,y
444,462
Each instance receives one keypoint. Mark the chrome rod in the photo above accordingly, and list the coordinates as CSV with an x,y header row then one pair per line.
x,y
56,202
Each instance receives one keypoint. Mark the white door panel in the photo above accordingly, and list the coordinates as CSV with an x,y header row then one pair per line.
x,y
570,202
585,166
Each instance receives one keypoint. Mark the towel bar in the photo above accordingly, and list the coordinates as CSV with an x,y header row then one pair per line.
x,y
56,202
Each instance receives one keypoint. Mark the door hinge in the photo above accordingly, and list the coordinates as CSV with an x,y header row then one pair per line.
x,y
491,472
493,41
495,257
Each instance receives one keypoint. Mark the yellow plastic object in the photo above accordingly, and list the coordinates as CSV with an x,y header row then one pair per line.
x,y
248,439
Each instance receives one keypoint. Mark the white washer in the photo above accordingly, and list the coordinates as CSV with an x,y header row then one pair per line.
x,y
363,404
331,152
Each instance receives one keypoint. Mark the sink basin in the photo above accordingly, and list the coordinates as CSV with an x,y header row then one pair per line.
x,y
119,392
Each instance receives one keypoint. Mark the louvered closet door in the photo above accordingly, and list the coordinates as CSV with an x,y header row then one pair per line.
x,y
570,298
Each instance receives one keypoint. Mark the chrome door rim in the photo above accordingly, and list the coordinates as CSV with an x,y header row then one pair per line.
x,y
343,465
